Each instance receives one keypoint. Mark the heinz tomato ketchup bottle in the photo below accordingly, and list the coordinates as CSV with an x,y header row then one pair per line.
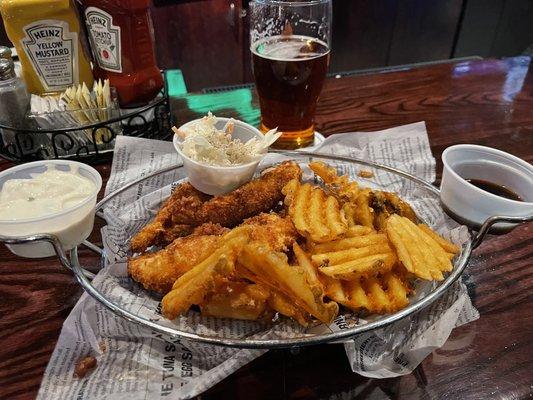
x,y
122,40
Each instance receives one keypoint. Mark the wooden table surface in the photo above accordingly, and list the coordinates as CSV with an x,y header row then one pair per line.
x,y
485,102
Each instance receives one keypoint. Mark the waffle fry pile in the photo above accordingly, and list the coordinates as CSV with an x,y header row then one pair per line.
x,y
352,247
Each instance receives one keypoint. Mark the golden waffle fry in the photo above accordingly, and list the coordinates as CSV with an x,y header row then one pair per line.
x,y
359,230
367,266
204,278
314,214
385,294
334,218
357,297
449,247
355,256
192,287
349,243
328,174
285,306
363,214
336,290
311,273
419,252
339,185
289,190
272,270
349,209
353,253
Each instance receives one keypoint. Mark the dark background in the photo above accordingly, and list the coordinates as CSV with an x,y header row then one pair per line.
x,y
208,39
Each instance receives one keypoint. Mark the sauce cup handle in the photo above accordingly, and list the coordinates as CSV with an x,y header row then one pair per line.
x,y
485,227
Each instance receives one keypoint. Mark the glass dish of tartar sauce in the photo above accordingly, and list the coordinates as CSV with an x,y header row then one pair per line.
x,y
55,197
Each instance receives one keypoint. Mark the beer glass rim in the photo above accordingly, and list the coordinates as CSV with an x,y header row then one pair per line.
x,y
292,3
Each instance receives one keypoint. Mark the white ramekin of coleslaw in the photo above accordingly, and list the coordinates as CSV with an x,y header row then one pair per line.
x,y
220,154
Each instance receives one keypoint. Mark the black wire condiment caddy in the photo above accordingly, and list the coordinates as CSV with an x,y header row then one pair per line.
x,y
90,143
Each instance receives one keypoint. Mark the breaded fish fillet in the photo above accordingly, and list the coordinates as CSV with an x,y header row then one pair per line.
x,y
276,232
159,270
187,207
161,230
257,196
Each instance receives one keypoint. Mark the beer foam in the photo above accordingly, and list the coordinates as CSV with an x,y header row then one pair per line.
x,y
289,48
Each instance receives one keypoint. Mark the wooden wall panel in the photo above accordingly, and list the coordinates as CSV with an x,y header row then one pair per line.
x,y
480,24
247,54
424,30
204,39
362,31
515,31
495,28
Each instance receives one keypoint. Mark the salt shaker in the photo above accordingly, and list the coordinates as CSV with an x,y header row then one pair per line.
x,y
5,52
14,98
14,102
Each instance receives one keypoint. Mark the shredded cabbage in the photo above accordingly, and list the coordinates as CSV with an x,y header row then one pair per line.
x,y
204,143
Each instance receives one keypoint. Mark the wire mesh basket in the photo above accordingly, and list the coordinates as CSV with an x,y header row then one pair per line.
x,y
89,143
115,289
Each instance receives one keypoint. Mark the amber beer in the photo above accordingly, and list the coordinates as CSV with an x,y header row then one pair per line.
x,y
289,72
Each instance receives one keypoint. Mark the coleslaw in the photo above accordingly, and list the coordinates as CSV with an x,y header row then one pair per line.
x,y
205,143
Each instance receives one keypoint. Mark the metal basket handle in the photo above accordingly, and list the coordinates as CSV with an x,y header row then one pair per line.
x,y
489,222
54,241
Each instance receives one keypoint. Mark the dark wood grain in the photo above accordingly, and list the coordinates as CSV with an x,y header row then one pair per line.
x,y
485,102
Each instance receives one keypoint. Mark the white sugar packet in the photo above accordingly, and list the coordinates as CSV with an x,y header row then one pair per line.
x,y
134,363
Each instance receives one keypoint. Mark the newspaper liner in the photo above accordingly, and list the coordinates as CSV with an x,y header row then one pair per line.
x,y
135,363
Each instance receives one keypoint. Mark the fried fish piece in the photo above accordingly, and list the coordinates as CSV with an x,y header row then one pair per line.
x,y
159,270
161,230
187,207
257,196
363,213
278,233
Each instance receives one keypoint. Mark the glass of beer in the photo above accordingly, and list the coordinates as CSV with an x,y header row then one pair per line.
x,y
290,45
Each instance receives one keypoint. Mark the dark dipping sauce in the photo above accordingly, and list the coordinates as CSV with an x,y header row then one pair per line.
x,y
493,188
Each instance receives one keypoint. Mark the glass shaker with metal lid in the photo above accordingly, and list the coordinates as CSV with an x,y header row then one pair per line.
x,y
5,53
14,97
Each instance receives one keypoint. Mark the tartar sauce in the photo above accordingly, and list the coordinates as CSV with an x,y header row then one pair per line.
x,y
44,194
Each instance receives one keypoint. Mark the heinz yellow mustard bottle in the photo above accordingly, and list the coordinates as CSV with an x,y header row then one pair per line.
x,y
49,42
